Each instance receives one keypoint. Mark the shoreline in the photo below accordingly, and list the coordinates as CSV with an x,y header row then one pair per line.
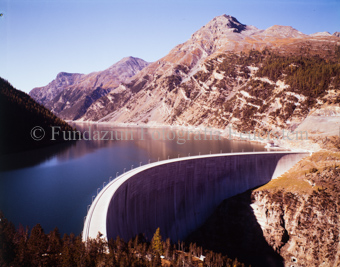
x,y
303,145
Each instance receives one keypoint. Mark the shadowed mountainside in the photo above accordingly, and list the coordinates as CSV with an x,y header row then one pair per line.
x,y
19,114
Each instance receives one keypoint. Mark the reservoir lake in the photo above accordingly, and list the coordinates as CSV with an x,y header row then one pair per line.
x,y
54,186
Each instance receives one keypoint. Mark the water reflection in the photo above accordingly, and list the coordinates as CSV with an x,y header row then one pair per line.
x,y
157,142
53,186
33,157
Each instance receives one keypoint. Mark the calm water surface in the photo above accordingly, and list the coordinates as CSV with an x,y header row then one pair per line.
x,y
55,185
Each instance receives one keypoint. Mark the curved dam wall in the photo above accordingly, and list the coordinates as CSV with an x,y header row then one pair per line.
x,y
178,195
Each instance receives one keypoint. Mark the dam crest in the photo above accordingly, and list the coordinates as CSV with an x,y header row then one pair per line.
x,y
179,194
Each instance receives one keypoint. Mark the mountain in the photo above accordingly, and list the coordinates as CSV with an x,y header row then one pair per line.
x,y
337,34
19,114
231,74
70,94
227,74
43,95
321,34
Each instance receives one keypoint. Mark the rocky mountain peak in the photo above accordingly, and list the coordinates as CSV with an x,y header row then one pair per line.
x,y
337,34
133,62
224,26
226,22
283,32
66,78
321,34
130,59
122,70
46,93
64,74
219,34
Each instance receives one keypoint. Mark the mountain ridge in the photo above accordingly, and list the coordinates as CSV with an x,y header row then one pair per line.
x,y
196,82
46,93
69,95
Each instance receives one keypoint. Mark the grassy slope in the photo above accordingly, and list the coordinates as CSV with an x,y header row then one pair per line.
x,y
300,179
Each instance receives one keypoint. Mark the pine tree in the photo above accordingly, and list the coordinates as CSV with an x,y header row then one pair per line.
x,y
156,242
22,257
37,245
7,246
54,247
67,258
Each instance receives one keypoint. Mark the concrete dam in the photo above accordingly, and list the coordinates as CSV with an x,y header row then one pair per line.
x,y
178,195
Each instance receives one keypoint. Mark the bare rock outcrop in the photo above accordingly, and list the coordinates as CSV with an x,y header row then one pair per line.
x,y
299,212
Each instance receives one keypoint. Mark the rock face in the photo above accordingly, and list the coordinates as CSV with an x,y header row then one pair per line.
x,y
301,223
301,228
69,95
337,34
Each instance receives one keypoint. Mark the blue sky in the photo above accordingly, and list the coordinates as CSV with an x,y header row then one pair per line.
x,y
39,39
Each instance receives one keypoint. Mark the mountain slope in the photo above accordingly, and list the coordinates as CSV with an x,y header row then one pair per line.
x,y
19,114
43,95
69,95
230,74
226,75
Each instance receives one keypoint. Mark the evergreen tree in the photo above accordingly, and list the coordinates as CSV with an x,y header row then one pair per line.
x,y
156,242
37,246
39,249
22,257
7,246
67,258
54,247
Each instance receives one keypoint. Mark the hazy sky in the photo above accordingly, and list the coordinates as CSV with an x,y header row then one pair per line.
x,y
39,39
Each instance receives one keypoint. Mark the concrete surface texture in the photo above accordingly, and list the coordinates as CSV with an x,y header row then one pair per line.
x,y
178,195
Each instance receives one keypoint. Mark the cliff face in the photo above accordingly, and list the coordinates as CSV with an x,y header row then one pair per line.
x,y
303,230
291,221
301,221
